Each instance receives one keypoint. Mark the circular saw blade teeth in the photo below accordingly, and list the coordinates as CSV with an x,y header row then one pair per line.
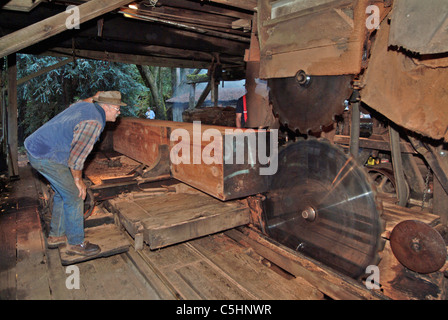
x,y
321,204
305,108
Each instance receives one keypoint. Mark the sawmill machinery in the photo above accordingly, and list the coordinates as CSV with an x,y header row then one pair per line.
x,y
324,62
322,59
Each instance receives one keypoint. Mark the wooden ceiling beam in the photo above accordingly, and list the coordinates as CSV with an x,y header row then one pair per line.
x,y
140,15
56,24
130,58
202,7
246,5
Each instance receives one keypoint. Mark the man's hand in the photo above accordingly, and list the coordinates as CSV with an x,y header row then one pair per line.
x,y
77,177
82,188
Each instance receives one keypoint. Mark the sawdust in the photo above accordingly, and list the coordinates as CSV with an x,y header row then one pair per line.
x,y
100,168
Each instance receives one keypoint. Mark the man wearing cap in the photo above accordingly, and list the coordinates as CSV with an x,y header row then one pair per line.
x,y
58,150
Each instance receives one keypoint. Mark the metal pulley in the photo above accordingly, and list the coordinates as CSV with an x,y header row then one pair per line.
x,y
418,247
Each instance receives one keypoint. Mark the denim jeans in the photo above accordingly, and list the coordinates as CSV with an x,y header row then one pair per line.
x,y
67,217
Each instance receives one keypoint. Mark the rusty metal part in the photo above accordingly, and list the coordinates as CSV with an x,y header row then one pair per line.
x,y
308,103
321,204
89,202
397,164
383,178
418,246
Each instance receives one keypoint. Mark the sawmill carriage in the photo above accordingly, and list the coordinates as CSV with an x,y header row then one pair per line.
x,y
313,70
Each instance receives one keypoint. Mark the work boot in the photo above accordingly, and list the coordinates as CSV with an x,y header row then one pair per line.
x,y
85,249
55,242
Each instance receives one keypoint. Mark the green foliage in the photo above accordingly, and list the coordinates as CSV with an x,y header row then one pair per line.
x,y
42,97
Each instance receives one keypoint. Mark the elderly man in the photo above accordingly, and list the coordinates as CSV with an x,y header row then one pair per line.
x,y
58,150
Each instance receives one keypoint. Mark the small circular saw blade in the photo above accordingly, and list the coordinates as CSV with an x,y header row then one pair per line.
x,y
311,106
418,246
322,205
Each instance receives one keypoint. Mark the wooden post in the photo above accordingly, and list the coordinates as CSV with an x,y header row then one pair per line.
x,y
215,92
192,98
12,144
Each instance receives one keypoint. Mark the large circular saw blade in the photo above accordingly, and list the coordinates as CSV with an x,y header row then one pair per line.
x,y
309,105
321,204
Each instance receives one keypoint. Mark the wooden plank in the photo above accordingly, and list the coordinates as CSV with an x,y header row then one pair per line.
x,y
252,276
369,143
247,5
56,24
21,5
163,290
167,261
8,235
44,70
209,283
110,239
138,59
394,214
129,213
174,218
32,278
193,276
120,282
216,267
57,278
334,285
22,246
159,235
12,119
400,283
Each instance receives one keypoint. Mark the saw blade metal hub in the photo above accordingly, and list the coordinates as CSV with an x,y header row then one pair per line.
x,y
309,214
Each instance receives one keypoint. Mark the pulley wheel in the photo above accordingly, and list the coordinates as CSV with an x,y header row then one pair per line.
x,y
418,247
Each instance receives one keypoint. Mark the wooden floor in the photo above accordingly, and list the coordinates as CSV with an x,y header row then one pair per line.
x,y
215,267
210,268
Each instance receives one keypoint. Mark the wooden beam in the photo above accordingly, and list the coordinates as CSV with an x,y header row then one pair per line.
x,y
12,141
368,143
192,155
44,70
204,95
203,30
334,285
246,5
129,58
21,5
56,24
